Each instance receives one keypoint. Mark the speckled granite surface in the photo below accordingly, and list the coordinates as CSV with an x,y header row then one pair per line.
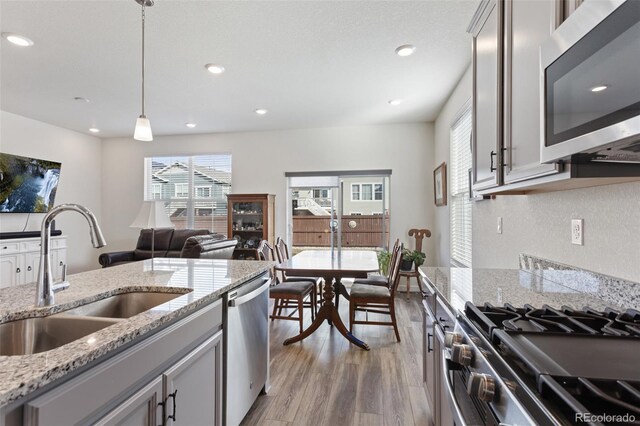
x,y
610,289
518,287
201,281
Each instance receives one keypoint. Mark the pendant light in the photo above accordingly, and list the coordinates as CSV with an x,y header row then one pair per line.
x,y
143,126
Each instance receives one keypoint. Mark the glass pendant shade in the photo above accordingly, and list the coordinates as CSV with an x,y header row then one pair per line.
x,y
143,129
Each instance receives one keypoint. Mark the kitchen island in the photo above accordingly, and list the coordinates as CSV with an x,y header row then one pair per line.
x,y
200,286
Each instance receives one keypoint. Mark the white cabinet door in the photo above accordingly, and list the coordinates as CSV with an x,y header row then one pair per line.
x,y
527,24
141,409
29,266
430,372
193,386
487,99
9,270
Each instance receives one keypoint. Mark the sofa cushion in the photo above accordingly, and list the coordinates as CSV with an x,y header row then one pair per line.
x,y
208,247
162,239
180,236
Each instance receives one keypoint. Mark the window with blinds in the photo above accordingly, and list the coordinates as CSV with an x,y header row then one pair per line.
x,y
193,188
460,206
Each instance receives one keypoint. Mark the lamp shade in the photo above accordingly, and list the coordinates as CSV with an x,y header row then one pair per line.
x,y
143,129
152,215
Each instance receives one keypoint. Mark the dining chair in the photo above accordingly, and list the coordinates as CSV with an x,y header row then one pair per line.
x,y
286,291
381,280
376,299
282,251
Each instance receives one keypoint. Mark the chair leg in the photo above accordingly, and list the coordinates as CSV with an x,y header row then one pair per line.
x,y
408,286
392,310
314,306
300,312
352,314
275,307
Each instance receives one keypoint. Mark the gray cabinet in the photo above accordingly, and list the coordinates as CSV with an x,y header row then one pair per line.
x,y
193,386
527,24
486,28
131,387
429,372
141,409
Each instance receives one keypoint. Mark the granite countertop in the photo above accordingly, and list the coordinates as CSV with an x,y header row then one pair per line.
x,y
201,281
535,287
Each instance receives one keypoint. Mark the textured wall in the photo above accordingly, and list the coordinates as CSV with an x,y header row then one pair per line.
x,y
540,225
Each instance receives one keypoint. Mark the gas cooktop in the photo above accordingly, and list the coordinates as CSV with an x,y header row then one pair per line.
x,y
582,365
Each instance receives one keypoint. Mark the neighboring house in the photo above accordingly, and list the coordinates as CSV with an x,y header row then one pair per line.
x,y
171,182
361,196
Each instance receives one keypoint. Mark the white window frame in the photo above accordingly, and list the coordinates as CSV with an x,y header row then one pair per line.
x,y
195,191
183,192
353,185
460,205
156,189
376,193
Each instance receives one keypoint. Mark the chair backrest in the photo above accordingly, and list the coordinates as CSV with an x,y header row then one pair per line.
x,y
419,234
265,251
282,251
394,252
394,267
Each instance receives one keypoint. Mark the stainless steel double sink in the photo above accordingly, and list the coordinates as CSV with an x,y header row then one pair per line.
x,y
34,335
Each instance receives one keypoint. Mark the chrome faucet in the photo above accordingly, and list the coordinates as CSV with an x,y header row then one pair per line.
x,y
46,287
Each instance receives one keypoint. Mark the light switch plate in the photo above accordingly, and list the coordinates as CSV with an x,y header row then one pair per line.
x,y
499,228
577,227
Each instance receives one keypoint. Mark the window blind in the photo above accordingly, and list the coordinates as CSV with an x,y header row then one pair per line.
x,y
460,206
193,188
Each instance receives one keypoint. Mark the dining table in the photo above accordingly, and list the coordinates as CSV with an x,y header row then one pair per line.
x,y
332,265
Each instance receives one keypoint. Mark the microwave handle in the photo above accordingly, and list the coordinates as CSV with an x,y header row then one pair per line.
x,y
450,395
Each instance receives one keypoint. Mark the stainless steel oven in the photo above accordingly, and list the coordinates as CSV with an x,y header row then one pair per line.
x,y
590,88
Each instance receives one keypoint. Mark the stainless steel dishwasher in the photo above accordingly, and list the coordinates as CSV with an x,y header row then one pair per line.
x,y
246,337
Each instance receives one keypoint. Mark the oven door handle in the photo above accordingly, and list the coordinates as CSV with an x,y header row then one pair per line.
x,y
455,408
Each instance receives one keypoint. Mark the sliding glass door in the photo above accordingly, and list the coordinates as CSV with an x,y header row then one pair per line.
x,y
338,210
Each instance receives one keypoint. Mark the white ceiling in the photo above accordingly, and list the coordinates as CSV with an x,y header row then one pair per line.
x,y
310,63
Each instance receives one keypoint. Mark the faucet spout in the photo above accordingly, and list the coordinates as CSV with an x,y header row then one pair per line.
x,y
46,288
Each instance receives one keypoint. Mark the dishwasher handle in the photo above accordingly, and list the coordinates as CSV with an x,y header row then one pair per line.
x,y
235,301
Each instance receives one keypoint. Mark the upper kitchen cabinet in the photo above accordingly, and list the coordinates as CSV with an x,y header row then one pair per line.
x,y
486,27
527,24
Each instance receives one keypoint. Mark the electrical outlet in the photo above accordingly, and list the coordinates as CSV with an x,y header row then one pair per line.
x,y
499,229
577,226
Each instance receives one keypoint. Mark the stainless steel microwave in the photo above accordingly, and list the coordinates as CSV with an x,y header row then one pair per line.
x,y
590,87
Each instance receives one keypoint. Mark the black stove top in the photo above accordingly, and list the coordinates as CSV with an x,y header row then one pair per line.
x,y
580,362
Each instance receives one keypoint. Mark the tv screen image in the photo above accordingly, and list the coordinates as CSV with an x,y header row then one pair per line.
x,y
27,185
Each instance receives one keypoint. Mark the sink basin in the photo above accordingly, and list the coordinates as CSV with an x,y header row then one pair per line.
x,y
34,335
123,305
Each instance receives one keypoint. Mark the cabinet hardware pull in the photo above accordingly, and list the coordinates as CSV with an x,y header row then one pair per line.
x,y
163,405
5,247
17,270
491,168
504,155
429,336
173,397
28,268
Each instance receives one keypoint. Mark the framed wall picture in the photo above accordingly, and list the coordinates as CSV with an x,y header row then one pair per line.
x,y
440,185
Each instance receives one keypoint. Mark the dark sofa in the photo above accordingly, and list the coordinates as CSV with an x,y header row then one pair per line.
x,y
168,243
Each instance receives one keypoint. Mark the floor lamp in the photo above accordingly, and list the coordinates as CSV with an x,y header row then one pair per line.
x,y
152,215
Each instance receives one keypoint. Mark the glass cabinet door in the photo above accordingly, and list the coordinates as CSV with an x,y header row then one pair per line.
x,y
247,227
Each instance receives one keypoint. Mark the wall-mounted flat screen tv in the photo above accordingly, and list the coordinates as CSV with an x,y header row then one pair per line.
x,y
27,185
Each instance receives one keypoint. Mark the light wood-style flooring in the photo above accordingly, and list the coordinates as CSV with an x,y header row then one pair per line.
x,y
324,380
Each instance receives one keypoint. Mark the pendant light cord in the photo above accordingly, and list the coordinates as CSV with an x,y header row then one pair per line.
x,y
143,2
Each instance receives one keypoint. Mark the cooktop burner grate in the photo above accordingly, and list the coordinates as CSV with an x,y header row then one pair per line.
x,y
614,402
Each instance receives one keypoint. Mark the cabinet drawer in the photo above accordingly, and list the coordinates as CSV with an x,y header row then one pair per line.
x,y
30,246
58,243
7,248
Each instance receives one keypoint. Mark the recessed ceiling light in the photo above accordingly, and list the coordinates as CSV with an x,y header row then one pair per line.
x,y
405,50
395,102
191,125
18,39
80,99
261,111
214,69
599,88
94,130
